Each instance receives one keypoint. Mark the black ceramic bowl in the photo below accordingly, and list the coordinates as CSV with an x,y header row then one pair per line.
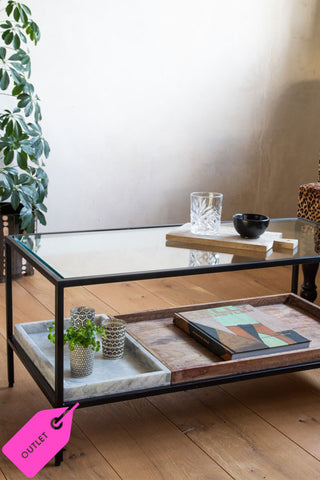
x,y
250,225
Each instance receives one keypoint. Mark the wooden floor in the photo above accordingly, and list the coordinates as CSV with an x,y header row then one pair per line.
x,y
268,428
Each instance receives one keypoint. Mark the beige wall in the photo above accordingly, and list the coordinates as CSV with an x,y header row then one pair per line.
x,y
145,101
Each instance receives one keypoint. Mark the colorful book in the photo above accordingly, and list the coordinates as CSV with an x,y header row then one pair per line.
x,y
237,331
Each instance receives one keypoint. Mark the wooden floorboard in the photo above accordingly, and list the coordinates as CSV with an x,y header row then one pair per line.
x,y
242,284
43,290
142,443
290,406
126,297
27,307
260,429
179,291
243,443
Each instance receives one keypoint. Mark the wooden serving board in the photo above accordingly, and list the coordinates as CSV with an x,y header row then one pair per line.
x,y
188,360
230,239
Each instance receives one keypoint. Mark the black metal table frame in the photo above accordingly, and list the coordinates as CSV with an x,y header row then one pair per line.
x,y
55,396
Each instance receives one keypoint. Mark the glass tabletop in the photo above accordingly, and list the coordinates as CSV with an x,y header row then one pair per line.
x,y
125,251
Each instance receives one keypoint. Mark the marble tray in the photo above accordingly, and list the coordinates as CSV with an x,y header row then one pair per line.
x,y
138,369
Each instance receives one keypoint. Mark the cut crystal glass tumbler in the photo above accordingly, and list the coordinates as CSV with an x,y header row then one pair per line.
x,y
205,212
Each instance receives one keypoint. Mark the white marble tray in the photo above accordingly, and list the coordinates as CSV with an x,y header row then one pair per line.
x,y
138,369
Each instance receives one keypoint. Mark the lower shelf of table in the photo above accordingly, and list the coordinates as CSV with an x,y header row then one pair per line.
x,y
160,357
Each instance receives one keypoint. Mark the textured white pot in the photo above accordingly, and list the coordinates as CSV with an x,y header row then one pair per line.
x,y
81,361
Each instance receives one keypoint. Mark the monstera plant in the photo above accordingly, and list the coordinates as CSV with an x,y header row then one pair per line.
x,y
23,180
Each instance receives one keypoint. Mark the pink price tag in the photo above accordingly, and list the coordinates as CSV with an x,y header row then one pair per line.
x,y
39,440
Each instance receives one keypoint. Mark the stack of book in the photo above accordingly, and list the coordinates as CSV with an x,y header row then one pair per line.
x,y
237,331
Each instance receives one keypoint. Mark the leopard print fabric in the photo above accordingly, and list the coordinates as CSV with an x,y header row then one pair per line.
x,y
309,202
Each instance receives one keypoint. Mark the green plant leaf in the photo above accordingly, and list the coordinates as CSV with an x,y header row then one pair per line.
x,y
26,201
33,31
22,37
8,158
11,170
17,77
22,160
27,219
5,80
41,174
4,194
9,128
29,88
27,147
17,130
24,96
26,211
7,24
18,66
35,129
7,180
3,122
4,142
7,37
17,56
16,14
23,16
25,179
17,89
29,191
46,148
15,199
28,69
3,52
24,102
22,124
37,113
29,109
41,193
41,217
9,8
42,207
25,59
36,31
16,41
38,148
26,9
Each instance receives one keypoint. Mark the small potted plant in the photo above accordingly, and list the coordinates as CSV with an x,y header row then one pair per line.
x,y
82,344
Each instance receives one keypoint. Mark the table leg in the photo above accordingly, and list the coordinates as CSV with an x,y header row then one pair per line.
x,y
309,288
294,278
59,369
58,458
10,364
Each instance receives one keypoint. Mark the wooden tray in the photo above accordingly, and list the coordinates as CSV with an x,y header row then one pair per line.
x,y
229,239
188,360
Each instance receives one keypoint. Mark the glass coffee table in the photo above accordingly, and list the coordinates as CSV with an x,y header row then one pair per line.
x,y
72,259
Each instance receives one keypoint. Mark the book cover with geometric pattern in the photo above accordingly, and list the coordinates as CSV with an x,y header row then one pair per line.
x,y
238,331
